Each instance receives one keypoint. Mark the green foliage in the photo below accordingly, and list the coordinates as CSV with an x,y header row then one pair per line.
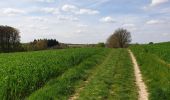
x,y
23,73
154,64
151,43
100,45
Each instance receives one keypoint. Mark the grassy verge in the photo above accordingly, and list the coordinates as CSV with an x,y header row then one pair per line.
x,y
113,80
62,87
156,74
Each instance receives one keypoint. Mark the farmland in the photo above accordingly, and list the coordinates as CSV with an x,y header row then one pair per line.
x,y
85,74
85,50
113,80
103,78
154,61
58,74
23,73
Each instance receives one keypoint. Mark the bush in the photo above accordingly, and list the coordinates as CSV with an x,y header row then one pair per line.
x,y
100,45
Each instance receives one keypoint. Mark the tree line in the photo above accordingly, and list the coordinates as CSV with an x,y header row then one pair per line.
x,y
10,41
42,44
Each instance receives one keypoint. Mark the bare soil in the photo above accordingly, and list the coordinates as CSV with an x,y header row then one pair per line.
x,y
142,89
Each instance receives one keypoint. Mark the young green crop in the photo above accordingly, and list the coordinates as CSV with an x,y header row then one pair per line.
x,y
23,73
162,50
62,87
154,64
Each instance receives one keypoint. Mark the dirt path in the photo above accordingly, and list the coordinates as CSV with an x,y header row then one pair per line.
x,y
143,94
76,95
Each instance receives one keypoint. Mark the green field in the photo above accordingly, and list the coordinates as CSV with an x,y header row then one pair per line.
x,y
85,74
58,74
23,73
154,61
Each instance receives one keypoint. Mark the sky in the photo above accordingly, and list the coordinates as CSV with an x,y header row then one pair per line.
x,y
87,21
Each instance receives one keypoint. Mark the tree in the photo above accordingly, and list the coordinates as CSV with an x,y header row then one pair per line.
x,y
52,42
42,44
111,42
9,39
151,43
120,39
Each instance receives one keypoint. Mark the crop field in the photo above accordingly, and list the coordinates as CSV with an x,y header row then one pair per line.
x,y
107,80
85,74
23,73
154,62
60,74
85,50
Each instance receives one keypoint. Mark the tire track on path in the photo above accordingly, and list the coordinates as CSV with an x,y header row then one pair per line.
x,y
142,89
75,96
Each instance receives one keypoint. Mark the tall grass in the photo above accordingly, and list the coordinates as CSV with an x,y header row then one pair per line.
x,y
23,73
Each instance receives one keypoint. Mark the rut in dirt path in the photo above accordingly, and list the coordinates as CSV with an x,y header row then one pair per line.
x,y
143,93
76,95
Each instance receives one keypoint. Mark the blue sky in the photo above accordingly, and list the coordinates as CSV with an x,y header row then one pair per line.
x,y
87,21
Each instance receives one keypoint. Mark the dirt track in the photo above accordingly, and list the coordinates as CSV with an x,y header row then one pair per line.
x,y
77,94
142,89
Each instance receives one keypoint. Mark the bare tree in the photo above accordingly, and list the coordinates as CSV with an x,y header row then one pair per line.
x,y
120,39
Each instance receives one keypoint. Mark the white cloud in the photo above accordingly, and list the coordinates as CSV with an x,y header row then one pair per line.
x,y
107,19
166,34
154,22
154,3
80,31
12,11
43,1
82,26
98,3
88,11
165,10
158,2
50,10
49,1
67,18
69,8
74,19
128,25
57,20
36,27
40,19
76,10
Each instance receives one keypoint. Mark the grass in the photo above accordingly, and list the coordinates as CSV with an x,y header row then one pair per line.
x,y
62,87
58,74
113,80
23,73
155,69
162,50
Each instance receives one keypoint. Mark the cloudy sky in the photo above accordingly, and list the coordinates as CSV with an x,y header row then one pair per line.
x,y
87,21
